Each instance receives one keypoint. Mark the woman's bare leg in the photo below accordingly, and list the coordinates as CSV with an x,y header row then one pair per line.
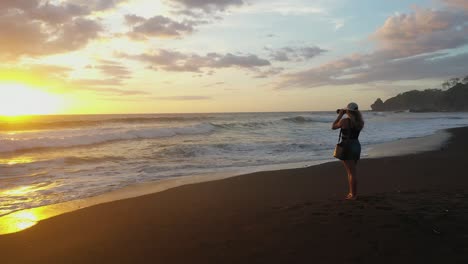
x,y
352,177
348,172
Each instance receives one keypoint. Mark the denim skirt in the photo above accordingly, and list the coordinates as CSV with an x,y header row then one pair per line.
x,y
352,149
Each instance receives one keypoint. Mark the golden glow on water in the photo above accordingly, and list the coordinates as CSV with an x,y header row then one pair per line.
x,y
19,221
17,160
19,191
24,220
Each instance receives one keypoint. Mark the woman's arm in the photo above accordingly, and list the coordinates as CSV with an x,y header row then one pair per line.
x,y
337,123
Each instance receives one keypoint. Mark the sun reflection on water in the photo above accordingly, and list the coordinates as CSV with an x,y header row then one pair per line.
x,y
18,221
24,219
19,191
17,160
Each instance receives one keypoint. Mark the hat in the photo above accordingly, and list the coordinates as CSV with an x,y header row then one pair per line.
x,y
352,107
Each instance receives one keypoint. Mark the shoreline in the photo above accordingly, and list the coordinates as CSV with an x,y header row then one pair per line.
x,y
408,146
23,219
411,209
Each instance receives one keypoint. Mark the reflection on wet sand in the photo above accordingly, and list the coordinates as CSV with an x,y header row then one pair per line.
x,y
18,221
24,219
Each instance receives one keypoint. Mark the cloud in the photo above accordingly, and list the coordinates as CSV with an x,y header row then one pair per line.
x,y
364,69
18,4
46,73
36,29
286,8
339,23
213,84
134,19
176,61
24,37
183,98
73,35
295,53
114,75
410,47
97,5
115,91
459,4
114,69
96,82
207,6
49,70
53,76
269,72
101,86
65,6
435,65
242,61
54,14
422,31
157,26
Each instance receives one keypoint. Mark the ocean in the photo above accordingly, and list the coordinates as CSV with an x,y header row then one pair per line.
x,y
53,159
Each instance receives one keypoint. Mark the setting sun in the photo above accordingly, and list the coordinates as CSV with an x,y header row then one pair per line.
x,y
18,99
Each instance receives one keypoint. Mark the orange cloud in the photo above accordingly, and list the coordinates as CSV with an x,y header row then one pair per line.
x,y
422,31
35,28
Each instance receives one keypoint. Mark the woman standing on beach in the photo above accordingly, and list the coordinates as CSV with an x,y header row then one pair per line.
x,y
350,129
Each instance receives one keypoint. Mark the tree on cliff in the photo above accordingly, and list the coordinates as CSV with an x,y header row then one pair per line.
x,y
454,97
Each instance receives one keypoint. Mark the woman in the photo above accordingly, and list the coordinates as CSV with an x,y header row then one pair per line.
x,y
350,129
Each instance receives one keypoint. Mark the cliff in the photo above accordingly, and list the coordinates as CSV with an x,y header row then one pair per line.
x,y
431,100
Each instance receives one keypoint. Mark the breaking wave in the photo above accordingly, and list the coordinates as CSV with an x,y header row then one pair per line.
x,y
87,137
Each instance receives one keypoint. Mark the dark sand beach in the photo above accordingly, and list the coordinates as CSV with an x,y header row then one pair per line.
x,y
411,209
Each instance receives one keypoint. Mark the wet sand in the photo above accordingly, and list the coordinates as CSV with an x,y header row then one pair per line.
x,y
411,209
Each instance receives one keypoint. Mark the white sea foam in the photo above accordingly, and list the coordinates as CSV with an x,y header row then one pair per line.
x,y
81,137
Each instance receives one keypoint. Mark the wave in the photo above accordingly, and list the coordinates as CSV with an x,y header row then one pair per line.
x,y
263,124
57,124
303,119
237,151
242,125
87,160
444,118
454,117
70,160
73,140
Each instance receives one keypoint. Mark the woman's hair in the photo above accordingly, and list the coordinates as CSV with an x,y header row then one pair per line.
x,y
356,119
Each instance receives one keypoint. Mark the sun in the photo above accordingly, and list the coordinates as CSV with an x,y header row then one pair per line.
x,y
19,99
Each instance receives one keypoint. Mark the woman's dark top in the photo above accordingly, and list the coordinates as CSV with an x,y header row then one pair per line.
x,y
350,132
352,147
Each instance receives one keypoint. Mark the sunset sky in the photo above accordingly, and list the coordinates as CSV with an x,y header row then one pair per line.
x,y
172,56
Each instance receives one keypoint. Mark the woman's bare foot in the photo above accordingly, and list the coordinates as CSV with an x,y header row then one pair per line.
x,y
351,197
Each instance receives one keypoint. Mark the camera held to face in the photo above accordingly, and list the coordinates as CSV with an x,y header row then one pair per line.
x,y
338,110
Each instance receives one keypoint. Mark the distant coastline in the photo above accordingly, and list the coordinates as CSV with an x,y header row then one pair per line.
x,y
453,97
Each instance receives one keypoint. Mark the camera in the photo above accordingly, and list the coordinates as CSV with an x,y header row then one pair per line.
x,y
338,110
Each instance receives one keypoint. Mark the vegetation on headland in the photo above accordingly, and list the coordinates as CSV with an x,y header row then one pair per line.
x,y
451,98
